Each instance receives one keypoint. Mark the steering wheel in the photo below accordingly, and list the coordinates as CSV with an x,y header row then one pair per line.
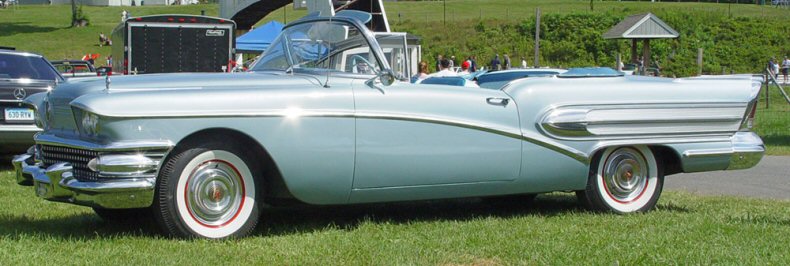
x,y
362,67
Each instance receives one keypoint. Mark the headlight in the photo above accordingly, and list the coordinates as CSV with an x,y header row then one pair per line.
x,y
90,122
87,122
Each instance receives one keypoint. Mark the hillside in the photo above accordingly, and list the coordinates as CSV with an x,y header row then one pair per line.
x,y
739,37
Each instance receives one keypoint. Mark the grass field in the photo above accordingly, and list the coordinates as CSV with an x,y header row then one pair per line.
x,y
45,29
685,229
772,123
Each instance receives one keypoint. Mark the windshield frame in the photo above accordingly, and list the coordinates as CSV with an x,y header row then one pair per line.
x,y
366,34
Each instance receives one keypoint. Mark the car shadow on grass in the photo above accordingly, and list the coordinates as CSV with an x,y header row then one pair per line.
x,y
279,221
74,226
305,219
5,163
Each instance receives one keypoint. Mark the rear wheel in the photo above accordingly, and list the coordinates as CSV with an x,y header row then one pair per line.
x,y
208,191
623,180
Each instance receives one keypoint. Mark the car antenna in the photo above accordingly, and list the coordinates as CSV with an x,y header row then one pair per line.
x,y
328,52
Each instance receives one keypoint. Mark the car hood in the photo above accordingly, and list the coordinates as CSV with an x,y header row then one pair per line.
x,y
58,109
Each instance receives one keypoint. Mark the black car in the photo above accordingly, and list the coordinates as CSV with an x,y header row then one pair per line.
x,y
21,74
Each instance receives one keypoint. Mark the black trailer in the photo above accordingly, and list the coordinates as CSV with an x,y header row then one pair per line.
x,y
173,43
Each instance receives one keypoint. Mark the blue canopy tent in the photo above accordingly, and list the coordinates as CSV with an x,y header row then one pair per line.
x,y
257,40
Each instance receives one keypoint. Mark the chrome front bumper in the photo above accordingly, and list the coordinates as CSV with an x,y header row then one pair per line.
x,y
56,183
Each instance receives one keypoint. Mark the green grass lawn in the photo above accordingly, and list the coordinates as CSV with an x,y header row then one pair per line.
x,y
685,229
772,123
45,29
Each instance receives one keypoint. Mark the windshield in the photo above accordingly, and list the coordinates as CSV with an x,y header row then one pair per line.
x,y
320,46
69,68
25,67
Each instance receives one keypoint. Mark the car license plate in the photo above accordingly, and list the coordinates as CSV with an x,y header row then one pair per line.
x,y
18,114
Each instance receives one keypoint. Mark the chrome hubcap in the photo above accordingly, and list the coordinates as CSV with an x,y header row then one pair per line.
x,y
625,174
214,193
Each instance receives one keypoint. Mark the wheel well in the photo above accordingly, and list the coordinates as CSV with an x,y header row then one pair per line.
x,y
274,185
668,158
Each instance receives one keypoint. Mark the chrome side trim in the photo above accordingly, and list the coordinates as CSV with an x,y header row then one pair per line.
x,y
612,121
535,138
707,153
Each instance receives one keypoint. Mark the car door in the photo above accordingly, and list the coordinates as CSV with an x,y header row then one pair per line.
x,y
426,135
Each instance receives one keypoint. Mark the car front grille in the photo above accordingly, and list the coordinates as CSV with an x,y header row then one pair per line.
x,y
78,158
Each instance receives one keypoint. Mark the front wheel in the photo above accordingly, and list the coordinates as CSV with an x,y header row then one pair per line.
x,y
623,180
208,191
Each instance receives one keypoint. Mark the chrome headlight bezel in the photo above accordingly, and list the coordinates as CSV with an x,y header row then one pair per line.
x,y
88,123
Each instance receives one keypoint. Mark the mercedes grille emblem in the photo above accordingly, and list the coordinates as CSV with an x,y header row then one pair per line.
x,y
20,93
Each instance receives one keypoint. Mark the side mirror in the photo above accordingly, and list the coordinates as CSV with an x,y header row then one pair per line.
x,y
386,77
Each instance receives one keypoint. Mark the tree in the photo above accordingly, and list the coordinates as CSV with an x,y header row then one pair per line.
x,y
78,18
74,13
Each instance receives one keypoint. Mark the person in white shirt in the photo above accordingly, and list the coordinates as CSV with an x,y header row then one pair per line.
x,y
445,70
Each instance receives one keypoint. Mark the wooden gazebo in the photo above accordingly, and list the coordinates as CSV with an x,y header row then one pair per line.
x,y
643,27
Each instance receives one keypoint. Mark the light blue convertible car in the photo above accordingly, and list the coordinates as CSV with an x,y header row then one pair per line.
x,y
325,117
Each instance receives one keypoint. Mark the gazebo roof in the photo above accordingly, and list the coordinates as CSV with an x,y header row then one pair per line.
x,y
641,26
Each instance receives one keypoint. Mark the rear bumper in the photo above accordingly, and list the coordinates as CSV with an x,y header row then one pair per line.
x,y
744,150
16,138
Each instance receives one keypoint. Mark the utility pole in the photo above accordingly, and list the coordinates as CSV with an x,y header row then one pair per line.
x,y
444,10
537,37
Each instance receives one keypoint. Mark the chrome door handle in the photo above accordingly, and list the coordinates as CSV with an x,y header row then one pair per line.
x,y
497,101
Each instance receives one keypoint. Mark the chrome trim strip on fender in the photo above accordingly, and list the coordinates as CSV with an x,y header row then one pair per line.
x,y
613,121
511,132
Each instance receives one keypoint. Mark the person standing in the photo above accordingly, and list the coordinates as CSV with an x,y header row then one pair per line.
x,y
507,64
770,67
523,63
465,68
496,64
452,62
439,59
785,69
473,64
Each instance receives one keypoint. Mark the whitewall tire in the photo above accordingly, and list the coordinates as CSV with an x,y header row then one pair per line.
x,y
623,180
208,192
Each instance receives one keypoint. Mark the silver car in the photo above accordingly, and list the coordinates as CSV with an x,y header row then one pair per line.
x,y
21,74
324,118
